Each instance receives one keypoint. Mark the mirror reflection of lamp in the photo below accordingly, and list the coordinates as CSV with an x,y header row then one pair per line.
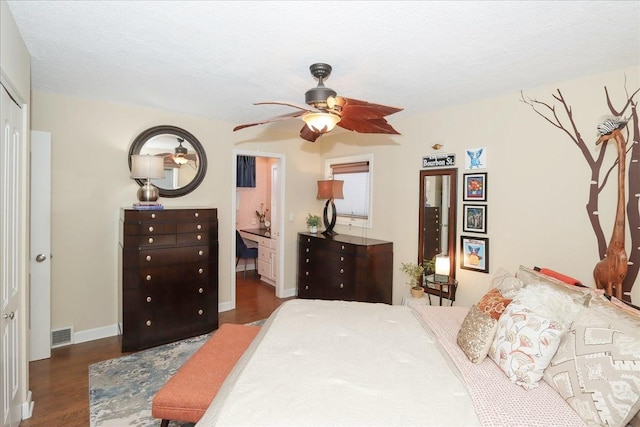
x,y
145,166
443,267
330,189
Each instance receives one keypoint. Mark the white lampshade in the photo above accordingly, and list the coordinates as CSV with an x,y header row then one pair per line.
x,y
321,122
443,267
145,166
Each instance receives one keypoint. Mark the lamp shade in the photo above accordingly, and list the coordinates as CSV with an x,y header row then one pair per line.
x,y
144,166
321,122
330,189
443,267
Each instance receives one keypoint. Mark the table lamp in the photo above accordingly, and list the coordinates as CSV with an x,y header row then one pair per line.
x,y
147,167
330,189
443,268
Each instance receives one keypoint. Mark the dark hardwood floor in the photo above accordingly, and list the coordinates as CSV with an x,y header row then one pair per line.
x,y
60,385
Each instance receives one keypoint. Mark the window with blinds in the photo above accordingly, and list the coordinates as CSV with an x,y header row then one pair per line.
x,y
355,171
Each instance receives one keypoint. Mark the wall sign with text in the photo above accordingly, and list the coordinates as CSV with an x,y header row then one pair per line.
x,y
438,161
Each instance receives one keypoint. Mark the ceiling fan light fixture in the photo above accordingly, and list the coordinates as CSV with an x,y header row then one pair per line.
x,y
321,122
180,156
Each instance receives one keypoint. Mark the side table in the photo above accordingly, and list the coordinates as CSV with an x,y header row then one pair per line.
x,y
446,290
409,300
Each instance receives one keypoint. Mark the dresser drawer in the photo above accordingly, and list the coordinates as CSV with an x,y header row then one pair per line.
x,y
177,255
195,227
172,215
150,240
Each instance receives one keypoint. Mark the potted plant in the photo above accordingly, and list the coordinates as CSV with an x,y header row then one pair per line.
x,y
414,271
313,221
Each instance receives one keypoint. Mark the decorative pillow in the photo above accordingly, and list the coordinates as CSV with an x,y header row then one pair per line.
x,y
579,294
506,283
524,344
621,304
476,334
562,277
596,368
547,301
493,303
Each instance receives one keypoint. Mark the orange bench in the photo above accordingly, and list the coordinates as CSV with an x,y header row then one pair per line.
x,y
189,392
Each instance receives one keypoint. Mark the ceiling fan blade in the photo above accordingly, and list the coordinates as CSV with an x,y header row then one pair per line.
x,y
308,134
288,104
363,109
292,115
377,125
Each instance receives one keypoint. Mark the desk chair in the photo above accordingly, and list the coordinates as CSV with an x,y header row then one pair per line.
x,y
242,251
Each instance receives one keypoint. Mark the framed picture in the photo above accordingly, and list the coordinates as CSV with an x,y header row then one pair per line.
x,y
475,218
475,187
474,253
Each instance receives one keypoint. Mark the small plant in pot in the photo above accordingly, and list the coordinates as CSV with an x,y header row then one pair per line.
x,y
414,271
313,222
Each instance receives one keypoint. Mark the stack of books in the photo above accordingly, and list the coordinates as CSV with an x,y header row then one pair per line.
x,y
147,206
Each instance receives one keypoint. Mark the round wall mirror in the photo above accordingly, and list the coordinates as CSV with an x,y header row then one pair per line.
x,y
185,162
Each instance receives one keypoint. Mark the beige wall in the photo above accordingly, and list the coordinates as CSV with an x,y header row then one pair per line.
x,y
537,186
538,181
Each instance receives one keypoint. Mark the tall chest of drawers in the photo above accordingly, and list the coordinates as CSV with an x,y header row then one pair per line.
x,y
345,267
168,275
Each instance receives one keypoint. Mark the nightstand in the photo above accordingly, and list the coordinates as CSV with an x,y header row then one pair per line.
x,y
446,290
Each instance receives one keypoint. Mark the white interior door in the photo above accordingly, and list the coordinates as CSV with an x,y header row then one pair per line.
x,y
10,289
40,251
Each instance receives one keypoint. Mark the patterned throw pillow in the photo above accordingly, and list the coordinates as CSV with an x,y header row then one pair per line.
x,y
506,283
524,344
493,303
597,366
476,334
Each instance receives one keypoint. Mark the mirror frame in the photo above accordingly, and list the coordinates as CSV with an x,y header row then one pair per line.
x,y
144,137
452,174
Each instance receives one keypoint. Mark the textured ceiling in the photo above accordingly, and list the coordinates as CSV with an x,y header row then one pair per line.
x,y
215,58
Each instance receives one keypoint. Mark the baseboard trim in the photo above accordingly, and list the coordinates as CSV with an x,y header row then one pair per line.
x,y
27,407
95,334
225,306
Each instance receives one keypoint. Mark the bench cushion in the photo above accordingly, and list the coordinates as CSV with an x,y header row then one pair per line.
x,y
189,392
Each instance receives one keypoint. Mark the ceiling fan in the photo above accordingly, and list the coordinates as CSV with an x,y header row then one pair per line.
x,y
326,110
179,157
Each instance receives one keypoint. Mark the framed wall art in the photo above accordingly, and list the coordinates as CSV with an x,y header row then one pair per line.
x,y
474,218
475,187
475,253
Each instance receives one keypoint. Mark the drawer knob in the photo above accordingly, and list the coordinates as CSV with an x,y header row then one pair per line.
x,y
199,237
200,270
200,312
196,214
341,258
148,299
153,215
148,258
150,239
307,250
306,273
199,227
200,290
342,247
341,270
341,285
306,260
148,322
200,252
306,287
148,277
308,240
150,229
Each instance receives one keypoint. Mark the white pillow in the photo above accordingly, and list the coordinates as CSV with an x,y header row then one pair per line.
x,y
547,301
524,344
506,283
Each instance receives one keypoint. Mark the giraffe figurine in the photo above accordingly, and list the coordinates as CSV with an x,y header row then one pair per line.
x,y
609,273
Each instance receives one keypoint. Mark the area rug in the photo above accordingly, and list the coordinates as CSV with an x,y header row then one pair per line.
x,y
121,390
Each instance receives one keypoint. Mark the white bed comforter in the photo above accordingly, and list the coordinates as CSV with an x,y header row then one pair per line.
x,y
342,364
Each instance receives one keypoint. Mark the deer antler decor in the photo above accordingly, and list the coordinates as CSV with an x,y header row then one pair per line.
x,y
610,272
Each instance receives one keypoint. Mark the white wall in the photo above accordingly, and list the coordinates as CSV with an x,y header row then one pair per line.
x,y
537,186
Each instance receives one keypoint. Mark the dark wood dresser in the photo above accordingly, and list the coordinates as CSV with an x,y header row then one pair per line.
x,y
168,275
345,267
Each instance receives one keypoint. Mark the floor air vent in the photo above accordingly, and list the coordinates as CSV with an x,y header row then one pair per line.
x,y
61,337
